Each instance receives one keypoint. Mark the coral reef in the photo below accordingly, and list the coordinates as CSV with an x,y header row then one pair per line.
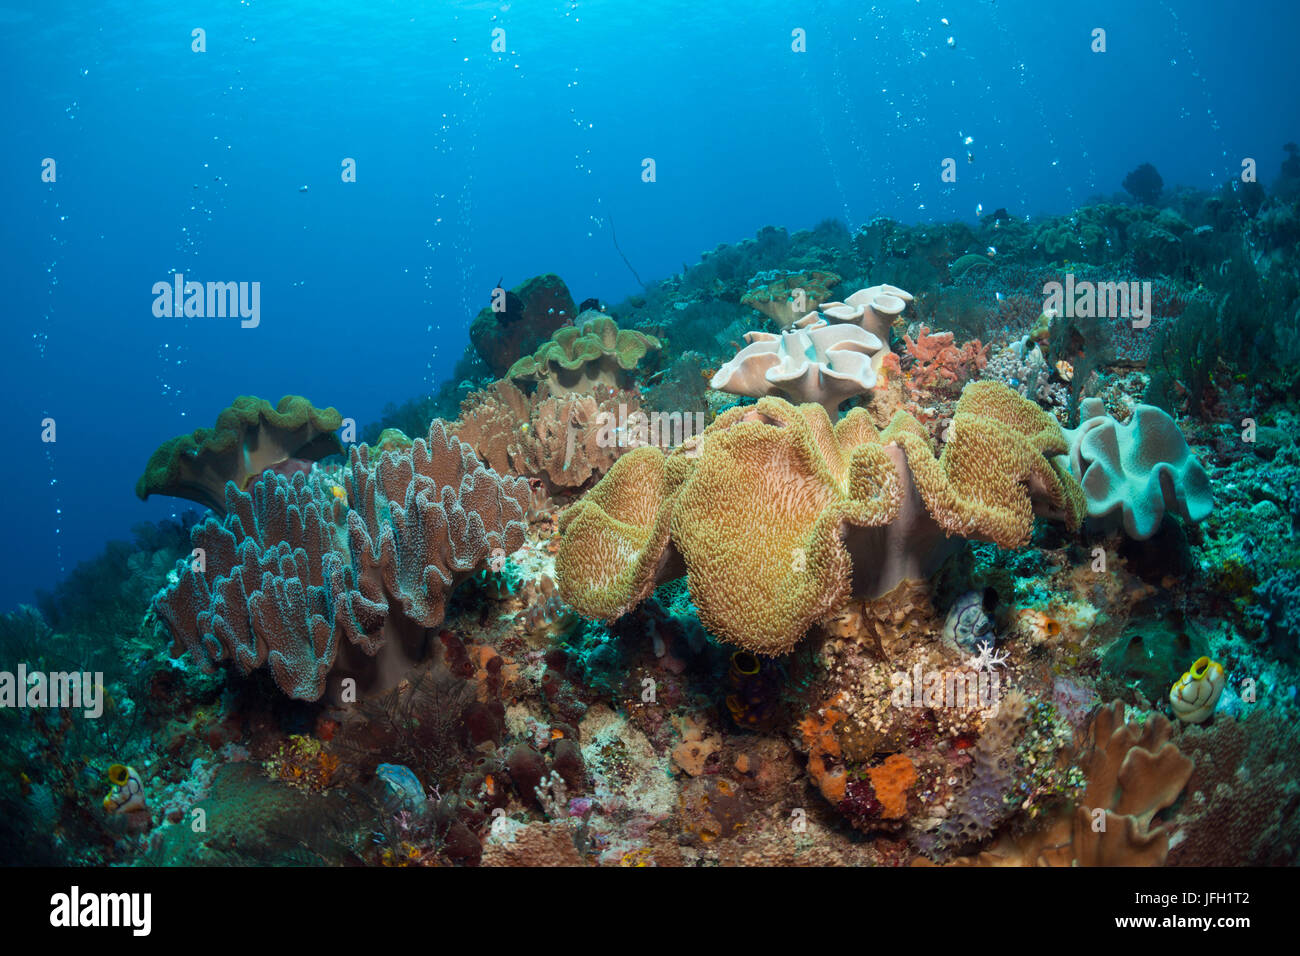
x,y
780,638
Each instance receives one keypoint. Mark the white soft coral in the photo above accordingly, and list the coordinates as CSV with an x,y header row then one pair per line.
x,y
988,658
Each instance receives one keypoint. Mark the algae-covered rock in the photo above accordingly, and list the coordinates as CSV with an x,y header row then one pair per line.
x,y
530,313
1149,656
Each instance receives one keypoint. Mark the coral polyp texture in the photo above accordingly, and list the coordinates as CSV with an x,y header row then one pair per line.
x,y
293,579
582,358
249,437
1134,773
778,516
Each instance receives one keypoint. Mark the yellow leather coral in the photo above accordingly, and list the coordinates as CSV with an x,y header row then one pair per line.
x,y
782,516
617,535
999,445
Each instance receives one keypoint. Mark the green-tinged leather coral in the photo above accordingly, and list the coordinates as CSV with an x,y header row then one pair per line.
x,y
582,358
964,264
819,362
249,437
778,516
530,312
292,580
786,297
1135,472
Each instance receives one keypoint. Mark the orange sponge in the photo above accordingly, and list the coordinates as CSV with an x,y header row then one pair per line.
x,y
891,781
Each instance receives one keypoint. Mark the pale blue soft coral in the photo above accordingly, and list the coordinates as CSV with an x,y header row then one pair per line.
x,y
1138,470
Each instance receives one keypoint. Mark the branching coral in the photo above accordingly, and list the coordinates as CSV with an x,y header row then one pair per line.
x,y
1138,470
821,363
277,582
779,517
582,358
939,362
249,437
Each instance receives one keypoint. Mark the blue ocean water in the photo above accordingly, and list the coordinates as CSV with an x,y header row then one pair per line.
x,y
475,166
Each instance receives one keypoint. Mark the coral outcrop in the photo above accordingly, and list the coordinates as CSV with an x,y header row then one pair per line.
x,y
528,315
249,437
786,296
778,517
